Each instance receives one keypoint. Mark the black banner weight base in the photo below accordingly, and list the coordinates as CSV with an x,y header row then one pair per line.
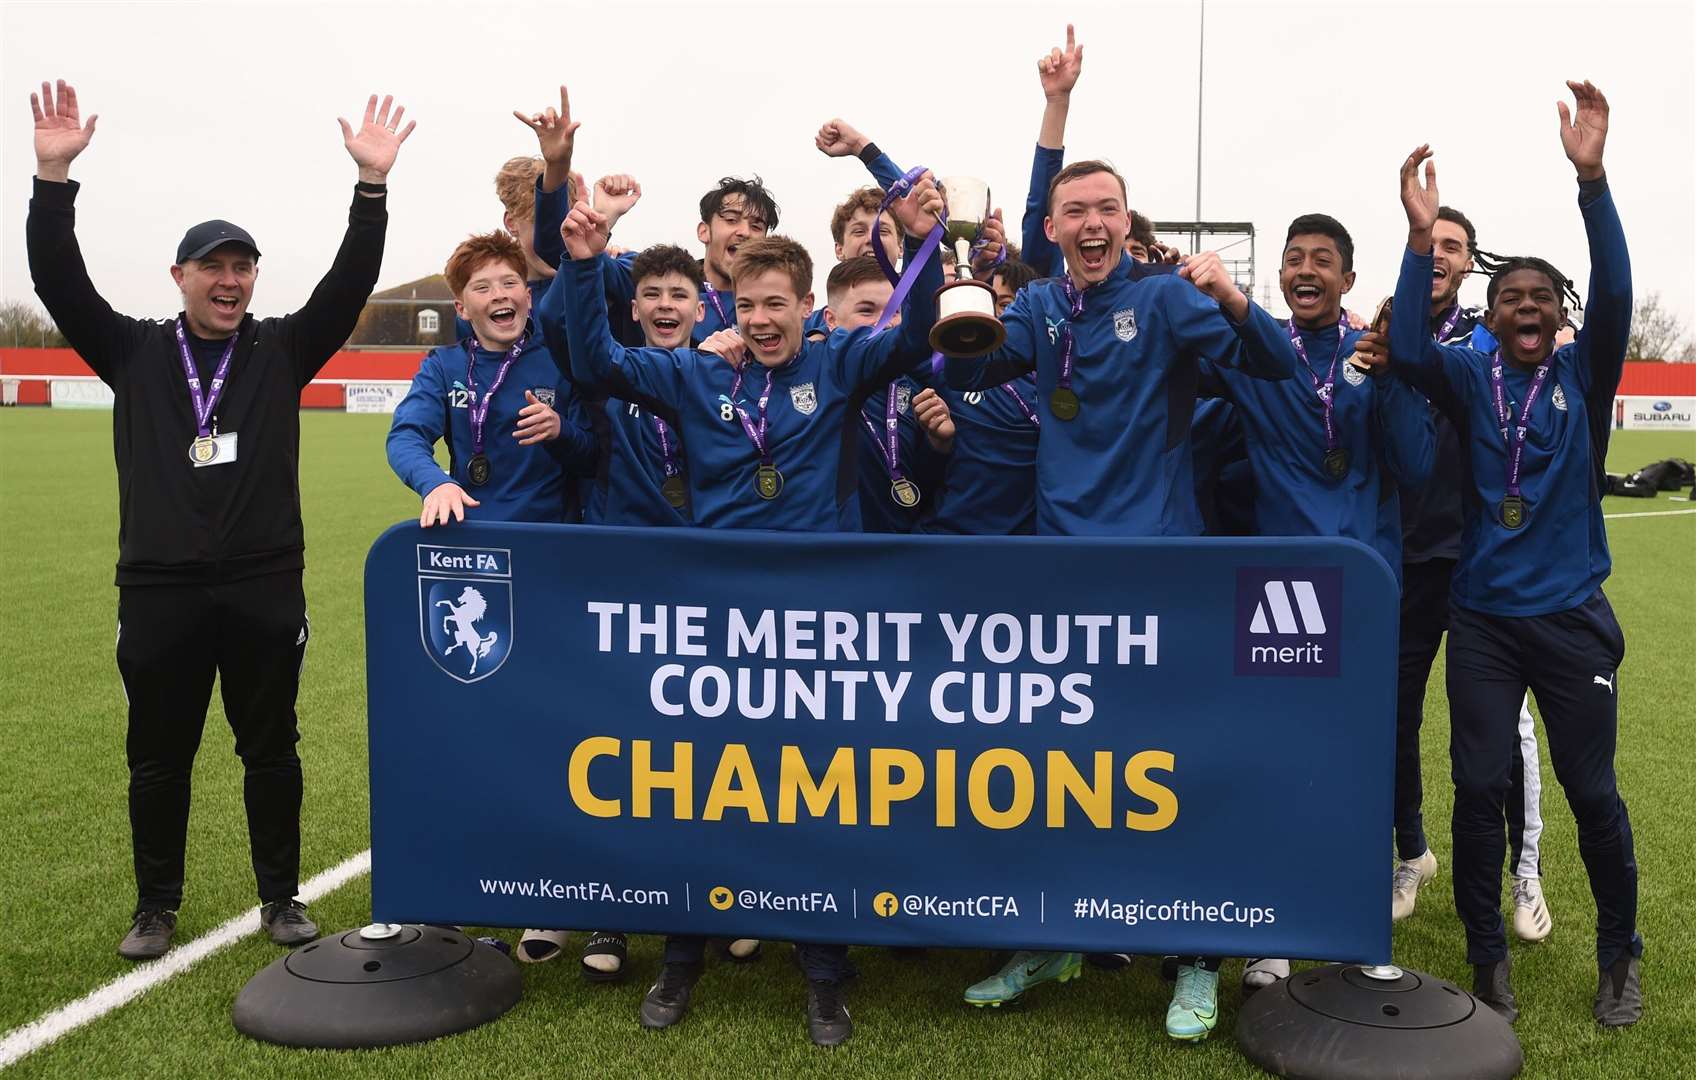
x,y
380,986
1345,1022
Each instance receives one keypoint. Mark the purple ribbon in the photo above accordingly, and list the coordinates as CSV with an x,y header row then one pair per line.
x,y
1451,319
1024,406
1075,300
1326,390
890,444
479,413
1514,434
667,451
756,435
904,282
203,406
712,296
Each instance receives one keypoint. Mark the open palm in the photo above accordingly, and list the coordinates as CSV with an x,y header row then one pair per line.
x,y
60,134
1421,203
374,146
1583,134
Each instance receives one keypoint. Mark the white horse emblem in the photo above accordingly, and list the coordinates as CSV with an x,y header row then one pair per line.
x,y
461,622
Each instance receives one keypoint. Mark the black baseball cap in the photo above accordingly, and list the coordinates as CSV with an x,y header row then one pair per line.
x,y
200,241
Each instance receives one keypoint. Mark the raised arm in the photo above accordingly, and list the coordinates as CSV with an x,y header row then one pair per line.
x,y
1058,73
1436,370
556,138
1216,321
322,325
100,335
838,138
649,377
1607,323
873,360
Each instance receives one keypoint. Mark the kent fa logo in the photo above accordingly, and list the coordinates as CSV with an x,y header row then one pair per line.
x,y
804,398
1289,621
465,609
544,394
903,397
1125,324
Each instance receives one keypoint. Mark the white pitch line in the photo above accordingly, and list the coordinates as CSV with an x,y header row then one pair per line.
x,y
27,1039
1650,513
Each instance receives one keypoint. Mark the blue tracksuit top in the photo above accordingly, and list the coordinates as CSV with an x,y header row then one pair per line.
x,y
920,463
1382,423
815,396
1559,558
989,481
624,486
1123,466
1431,515
527,483
1224,479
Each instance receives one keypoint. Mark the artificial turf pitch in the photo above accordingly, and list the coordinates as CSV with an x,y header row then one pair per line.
x,y
66,888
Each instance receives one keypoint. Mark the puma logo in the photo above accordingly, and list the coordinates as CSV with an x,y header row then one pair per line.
x,y
1607,682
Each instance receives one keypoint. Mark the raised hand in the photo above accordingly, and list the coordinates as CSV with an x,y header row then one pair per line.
x,y
1206,271
615,195
921,211
1420,202
933,415
838,138
584,231
374,146
60,134
556,132
1059,70
1582,136
537,421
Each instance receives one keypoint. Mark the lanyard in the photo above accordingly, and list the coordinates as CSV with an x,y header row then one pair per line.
x,y
890,444
1451,319
713,298
1514,435
203,406
756,434
479,411
1024,406
668,451
1075,300
1327,389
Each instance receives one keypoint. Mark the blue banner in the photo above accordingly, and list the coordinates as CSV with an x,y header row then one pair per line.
x,y
1145,746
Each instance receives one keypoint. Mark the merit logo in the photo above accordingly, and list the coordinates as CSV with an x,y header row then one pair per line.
x,y
1288,621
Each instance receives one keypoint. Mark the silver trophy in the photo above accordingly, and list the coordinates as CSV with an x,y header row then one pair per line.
x,y
965,324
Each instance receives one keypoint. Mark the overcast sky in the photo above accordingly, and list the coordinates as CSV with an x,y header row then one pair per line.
x,y
229,110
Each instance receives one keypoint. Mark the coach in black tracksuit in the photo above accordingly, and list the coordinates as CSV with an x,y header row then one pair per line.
x,y
206,433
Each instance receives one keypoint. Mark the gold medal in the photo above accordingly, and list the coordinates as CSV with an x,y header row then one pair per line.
x,y
905,493
203,450
674,490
